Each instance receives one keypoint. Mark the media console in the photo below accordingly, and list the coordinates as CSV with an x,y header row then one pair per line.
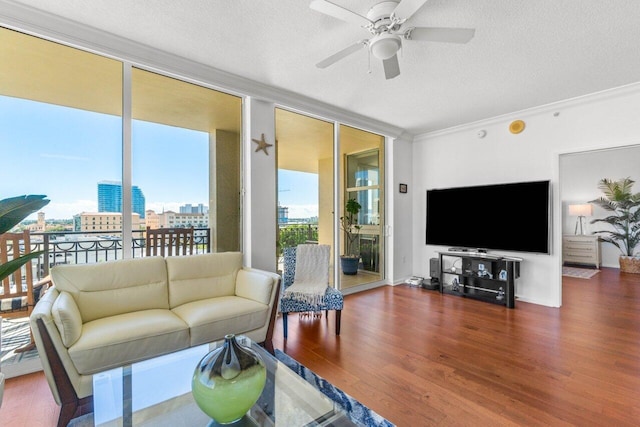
x,y
479,275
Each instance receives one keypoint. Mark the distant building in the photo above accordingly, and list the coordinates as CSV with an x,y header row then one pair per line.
x,y
40,225
283,215
103,221
189,209
171,219
151,219
110,198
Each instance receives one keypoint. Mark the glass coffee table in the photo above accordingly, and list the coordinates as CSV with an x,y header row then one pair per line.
x,y
157,392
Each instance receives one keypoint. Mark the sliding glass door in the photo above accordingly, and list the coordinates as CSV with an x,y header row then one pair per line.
x,y
305,181
362,180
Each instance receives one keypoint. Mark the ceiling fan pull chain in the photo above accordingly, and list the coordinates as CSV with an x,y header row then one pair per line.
x,y
369,61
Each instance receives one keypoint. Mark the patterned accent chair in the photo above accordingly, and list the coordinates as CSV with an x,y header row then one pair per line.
x,y
333,299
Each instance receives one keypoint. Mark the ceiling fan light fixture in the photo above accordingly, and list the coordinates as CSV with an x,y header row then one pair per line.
x,y
384,46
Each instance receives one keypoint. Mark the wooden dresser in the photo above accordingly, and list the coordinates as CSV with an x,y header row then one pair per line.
x,y
581,249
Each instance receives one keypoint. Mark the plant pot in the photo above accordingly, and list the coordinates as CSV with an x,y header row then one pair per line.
x,y
629,264
349,265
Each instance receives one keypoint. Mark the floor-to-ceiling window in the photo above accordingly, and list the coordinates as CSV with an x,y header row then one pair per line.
x,y
186,158
60,135
66,132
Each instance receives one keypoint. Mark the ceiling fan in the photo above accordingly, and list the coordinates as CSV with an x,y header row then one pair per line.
x,y
387,22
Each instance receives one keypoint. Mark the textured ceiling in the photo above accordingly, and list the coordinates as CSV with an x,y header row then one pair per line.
x,y
524,53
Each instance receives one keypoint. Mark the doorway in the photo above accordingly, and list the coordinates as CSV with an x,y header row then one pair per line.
x,y
580,174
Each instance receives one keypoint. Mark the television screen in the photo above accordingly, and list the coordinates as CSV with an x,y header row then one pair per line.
x,y
510,217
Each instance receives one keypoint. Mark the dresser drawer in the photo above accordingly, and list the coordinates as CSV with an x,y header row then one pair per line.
x,y
582,249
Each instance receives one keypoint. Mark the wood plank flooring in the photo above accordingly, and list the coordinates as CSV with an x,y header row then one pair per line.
x,y
420,358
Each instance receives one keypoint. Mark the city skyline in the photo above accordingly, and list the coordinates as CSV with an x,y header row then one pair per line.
x,y
63,152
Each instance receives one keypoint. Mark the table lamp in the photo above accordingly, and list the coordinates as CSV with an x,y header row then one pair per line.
x,y
581,211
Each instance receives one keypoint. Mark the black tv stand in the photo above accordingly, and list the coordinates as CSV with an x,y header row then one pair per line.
x,y
479,275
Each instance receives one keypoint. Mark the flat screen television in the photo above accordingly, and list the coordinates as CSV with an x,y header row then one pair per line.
x,y
509,217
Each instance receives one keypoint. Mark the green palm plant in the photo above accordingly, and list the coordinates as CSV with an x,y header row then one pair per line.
x,y
12,211
624,214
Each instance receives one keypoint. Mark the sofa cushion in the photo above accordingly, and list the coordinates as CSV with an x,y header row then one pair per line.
x,y
114,287
199,277
211,319
67,318
254,285
126,338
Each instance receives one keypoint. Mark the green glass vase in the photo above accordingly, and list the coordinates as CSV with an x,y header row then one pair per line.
x,y
228,381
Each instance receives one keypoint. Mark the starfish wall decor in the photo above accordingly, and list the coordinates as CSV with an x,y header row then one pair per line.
x,y
262,144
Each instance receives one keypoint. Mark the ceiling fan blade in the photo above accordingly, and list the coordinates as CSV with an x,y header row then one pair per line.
x,y
447,35
407,8
342,54
391,67
339,12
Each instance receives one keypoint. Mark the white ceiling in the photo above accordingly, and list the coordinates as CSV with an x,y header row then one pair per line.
x,y
524,53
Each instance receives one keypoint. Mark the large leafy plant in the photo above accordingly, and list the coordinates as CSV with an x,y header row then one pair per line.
x,y
623,207
12,211
349,223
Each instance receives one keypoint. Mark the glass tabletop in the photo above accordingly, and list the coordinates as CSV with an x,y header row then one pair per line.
x,y
157,392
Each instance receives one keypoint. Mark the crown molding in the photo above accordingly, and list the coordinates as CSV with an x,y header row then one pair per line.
x,y
603,95
42,24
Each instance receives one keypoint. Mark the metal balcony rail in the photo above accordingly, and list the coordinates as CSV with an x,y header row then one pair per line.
x,y
295,234
87,247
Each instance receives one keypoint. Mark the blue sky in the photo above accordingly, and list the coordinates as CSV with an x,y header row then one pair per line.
x,y
299,192
64,152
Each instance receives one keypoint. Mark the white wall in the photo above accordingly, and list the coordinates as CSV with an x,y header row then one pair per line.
x,y
399,154
457,157
260,199
579,177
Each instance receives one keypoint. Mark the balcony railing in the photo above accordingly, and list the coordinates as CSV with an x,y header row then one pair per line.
x,y
295,234
83,247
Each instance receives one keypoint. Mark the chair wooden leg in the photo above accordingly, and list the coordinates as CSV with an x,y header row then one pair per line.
x,y
338,315
284,324
27,347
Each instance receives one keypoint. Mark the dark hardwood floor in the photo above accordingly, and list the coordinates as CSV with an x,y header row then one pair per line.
x,y
420,358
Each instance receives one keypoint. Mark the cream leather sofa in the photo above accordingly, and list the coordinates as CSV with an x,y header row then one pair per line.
x,y
101,316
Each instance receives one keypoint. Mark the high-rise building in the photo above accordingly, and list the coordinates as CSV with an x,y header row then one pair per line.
x,y
190,209
283,214
110,198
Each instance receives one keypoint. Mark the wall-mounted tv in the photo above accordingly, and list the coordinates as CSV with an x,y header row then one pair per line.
x,y
509,217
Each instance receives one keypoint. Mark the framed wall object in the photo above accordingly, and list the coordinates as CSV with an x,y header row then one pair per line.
x,y
403,188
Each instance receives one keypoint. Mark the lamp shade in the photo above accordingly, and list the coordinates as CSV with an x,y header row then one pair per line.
x,y
581,210
384,46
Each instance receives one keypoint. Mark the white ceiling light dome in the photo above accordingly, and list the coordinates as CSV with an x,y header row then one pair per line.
x,y
384,46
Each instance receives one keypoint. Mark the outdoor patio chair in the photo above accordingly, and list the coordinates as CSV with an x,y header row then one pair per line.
x,y
331,300
169,241
18,293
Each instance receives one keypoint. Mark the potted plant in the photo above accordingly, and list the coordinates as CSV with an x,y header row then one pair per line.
x,y
349,223
623,207
12,211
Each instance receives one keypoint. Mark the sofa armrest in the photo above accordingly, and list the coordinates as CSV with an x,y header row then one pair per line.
x,y
54,356
256,285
